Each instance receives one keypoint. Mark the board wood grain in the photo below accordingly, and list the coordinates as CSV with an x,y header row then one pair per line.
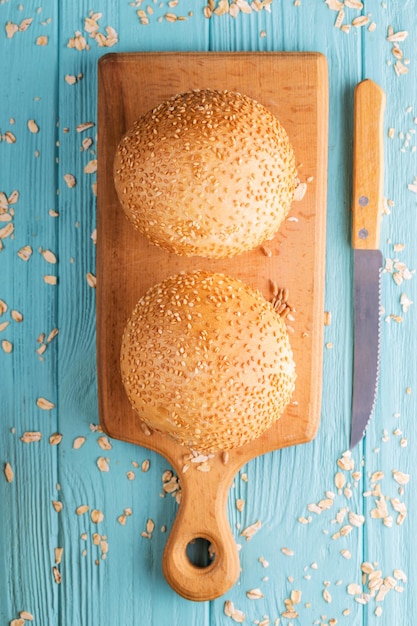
x,y
294,87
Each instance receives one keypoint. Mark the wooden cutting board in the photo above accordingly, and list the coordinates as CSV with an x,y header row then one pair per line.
x,y
294,87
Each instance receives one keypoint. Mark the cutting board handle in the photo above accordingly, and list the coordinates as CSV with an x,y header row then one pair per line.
x,y
202,515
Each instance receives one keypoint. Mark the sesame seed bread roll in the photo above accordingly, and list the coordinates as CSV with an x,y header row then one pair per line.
x,y
206,360
206,173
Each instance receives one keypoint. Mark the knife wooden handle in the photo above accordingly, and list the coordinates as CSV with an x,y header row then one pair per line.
x,y
368,165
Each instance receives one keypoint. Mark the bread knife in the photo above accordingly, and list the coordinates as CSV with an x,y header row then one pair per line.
x,y
367,207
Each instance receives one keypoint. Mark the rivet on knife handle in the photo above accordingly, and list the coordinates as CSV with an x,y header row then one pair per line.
x,y
368,178
368,165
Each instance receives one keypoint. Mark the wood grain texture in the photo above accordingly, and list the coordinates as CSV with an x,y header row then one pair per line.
x,y
29,525
277,489
130,85
392,425
128,266
368,165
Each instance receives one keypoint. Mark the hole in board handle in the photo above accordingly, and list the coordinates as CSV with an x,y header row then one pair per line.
x,y
200,552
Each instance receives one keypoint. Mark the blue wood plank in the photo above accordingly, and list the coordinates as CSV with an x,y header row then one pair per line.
x,y
28,526
389,540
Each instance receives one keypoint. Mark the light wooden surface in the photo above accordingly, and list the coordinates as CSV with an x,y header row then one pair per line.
x,y
308,538
127,265
368,165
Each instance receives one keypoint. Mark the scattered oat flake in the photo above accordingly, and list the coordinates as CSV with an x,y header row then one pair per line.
x,y
355,519
405,302
86,143
58,506
361,20
103,464
7,346
70,180
78,42
254,594
45,404
251,530
84,126
26,615
50,279
58,552
354,589
300,191
16,316
230,611
400,68
91,167
7,230
25,253
240,504
376,476
91,280
325,504
346,462
17,622
398,37
290,614
32,126
244,6
24,24
70,79
8,472
11,29
82,509
203,467
55,439
104,443
334,5
327,596
354,4
48,255
9,137
97,516
339,480
295,596
78,442
150,526
57,575
400,575
287,551
31,436
400,477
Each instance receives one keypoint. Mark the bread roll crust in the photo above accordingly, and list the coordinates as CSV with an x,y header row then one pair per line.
x,y
207,173
206,360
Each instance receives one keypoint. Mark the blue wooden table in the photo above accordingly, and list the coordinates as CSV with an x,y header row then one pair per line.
x,y
84,519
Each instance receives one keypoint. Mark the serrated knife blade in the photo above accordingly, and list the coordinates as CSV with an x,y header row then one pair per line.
x,y
367,207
